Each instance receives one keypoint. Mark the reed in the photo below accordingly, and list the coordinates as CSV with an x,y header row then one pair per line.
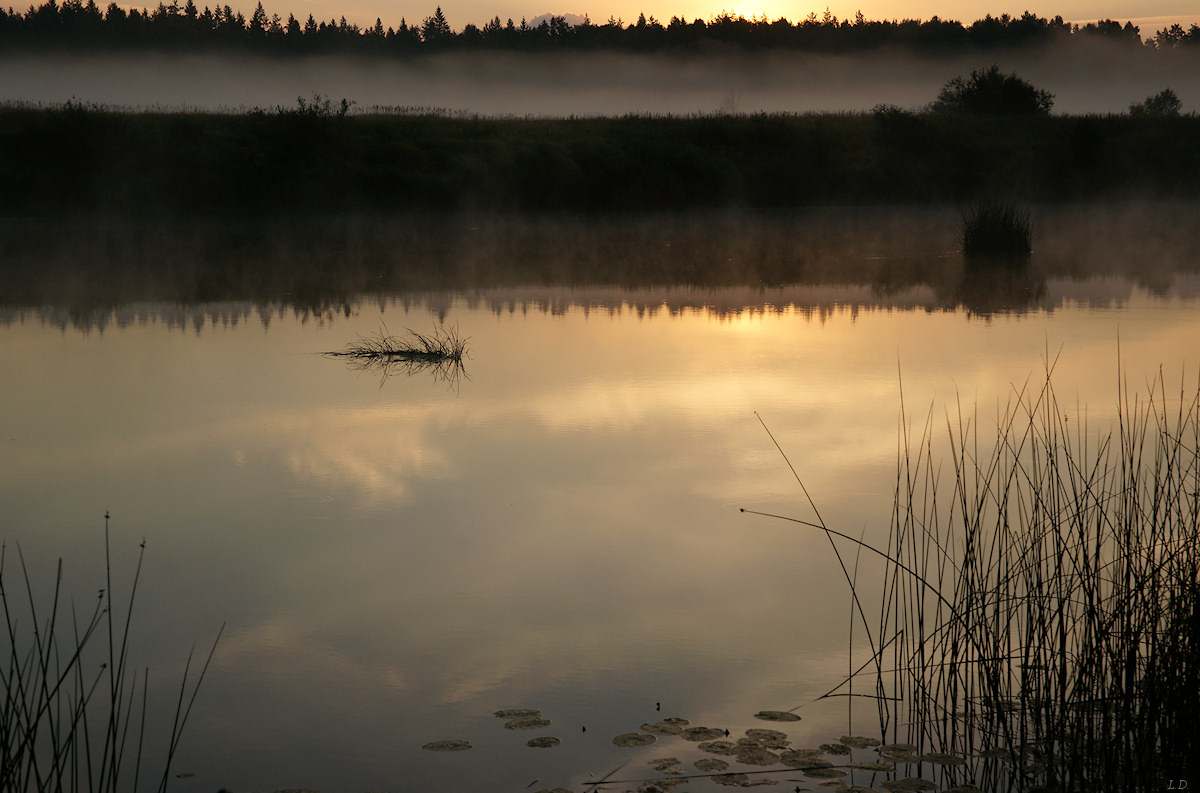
x,y
72,717
997,229
1039,611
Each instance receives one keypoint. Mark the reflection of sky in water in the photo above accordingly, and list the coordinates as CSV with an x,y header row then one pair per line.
x,y
397,561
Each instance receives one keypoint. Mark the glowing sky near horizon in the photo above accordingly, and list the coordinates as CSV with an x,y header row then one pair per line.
x,y
1149,17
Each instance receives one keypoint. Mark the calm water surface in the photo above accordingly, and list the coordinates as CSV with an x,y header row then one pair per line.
x,y
396,558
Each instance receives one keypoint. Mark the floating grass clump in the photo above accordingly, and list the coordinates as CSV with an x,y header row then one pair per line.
x,y
997,230
1040,614
440,353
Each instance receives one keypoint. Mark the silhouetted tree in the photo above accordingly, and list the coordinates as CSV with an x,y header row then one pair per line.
x,y
1164,103
435,29
988,92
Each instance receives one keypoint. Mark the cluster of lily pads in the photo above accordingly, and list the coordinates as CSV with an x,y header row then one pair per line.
x,y
826,766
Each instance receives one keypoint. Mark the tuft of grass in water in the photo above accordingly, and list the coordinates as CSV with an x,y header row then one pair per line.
x,y
1040,611
441,353
998,230
66,724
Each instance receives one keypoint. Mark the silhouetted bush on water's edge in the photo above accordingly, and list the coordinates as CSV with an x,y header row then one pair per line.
x,y
78,159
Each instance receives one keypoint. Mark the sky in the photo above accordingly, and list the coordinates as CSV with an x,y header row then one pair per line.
x,y
1149,17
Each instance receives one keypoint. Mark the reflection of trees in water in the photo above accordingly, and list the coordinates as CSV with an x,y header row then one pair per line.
x,y
993,287
93,273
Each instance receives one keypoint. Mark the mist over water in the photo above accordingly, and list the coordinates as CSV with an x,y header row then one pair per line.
x,y
1085,77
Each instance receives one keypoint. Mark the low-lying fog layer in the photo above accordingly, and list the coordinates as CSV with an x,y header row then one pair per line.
x,y
1084,78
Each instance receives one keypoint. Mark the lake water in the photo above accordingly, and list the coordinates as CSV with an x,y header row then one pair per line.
x,y
396,558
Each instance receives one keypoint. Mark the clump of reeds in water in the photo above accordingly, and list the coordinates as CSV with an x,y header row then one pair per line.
x,y
440,353
1040,611
71,719
997,230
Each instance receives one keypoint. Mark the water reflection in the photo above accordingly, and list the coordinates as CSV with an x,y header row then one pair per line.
x,y
108,272
396,564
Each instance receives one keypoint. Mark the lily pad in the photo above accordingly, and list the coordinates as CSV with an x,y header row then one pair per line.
x,y
871,766
776,715
718,747
731,780
858,742
753,754
545,742
660,785
447,746
711,764
940,758
897,747
835,748
803,758
518,713
908,785
662,728
702,734
773,739
824,773
630,740
527,723
676,721
664,763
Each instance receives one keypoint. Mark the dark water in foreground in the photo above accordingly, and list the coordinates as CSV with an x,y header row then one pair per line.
x,y
397,558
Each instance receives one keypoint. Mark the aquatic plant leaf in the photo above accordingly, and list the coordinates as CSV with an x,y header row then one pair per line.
x,y
940,758
711,764
518,713
871,766
702,734
753,754
803,759
897,747
447,746
773,739
629,740
675,720
660,785
731,780
835,748
663,763
776,715
1003,754
824,773
662,728
527,723
858,742
718,747
553,790
545,742
908,785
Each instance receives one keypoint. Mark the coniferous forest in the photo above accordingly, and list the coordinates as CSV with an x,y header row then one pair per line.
x,y
75,24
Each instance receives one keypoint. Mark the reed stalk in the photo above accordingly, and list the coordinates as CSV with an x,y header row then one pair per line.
x,y
70,718
1040,608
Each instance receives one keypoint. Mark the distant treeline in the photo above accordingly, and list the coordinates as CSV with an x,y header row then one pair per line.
x,y
76,24
316,158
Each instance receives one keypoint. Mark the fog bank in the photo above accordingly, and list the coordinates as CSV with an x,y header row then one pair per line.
x,y
1085,77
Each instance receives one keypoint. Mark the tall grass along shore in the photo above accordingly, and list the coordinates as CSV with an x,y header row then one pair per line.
x,y
1039,623
74,711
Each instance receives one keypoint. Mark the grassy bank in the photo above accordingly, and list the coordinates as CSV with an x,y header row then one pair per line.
x,y
85,160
